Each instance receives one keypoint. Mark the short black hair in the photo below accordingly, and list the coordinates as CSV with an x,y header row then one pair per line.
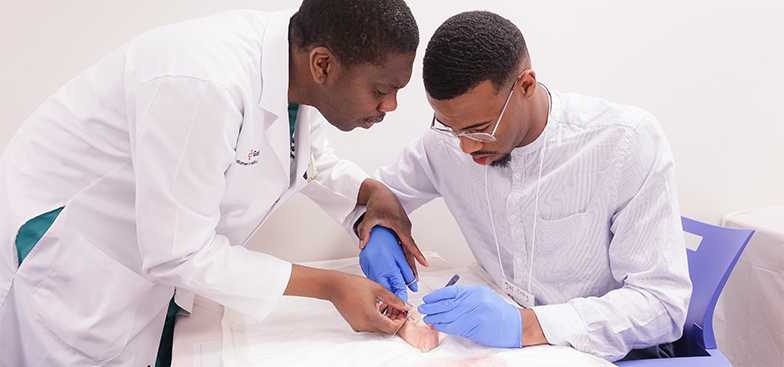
x,y
469,48
356,31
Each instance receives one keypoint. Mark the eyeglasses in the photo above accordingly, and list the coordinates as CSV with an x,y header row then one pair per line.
x,y
480,137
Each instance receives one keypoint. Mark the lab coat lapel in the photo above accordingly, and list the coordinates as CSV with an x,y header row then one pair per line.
x,y
302,156
275,86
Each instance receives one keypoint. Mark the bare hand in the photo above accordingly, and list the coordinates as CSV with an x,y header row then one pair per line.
x,y
359,300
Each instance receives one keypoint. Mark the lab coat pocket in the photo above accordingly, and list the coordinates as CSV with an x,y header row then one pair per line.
x,y
88,300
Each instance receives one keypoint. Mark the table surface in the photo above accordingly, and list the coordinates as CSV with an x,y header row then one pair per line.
x,y
198,337
199,341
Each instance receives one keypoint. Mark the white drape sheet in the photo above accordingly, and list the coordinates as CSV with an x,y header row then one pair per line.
x,y
310,332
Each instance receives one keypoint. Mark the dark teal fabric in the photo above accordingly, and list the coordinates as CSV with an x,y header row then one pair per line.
x,y
167,339
293,108
32,231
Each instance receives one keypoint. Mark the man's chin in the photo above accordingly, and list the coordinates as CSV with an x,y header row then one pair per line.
x,y
345,129
502,162
368,124
347,126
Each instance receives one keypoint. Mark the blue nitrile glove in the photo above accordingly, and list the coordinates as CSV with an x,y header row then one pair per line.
x,y
476,313
382,260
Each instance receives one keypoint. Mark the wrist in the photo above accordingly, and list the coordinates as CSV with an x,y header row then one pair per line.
x,y
358,224
518,331
532,333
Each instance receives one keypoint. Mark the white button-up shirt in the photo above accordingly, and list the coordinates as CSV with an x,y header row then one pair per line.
x,y
608,266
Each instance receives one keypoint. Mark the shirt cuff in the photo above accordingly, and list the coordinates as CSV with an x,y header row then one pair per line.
x,y
350,220
184,299
562,326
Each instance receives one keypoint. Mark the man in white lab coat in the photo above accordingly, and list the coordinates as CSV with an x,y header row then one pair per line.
x,y
149,171
568,202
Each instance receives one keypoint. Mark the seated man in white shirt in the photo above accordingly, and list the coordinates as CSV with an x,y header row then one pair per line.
x,y
568,202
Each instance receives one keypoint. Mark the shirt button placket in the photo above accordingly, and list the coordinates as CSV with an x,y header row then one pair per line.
x,y
516,227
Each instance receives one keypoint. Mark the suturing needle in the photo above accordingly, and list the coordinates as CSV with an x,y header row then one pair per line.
x,y
452,281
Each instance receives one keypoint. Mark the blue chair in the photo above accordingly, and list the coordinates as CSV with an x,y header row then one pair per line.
x,y
709,267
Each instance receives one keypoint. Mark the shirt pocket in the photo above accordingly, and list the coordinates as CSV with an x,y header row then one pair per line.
x,y
88,300
559,247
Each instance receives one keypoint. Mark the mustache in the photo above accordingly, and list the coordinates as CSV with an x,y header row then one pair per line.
x,y
376,119
482,152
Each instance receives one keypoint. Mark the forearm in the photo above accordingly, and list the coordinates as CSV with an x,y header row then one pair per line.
x,y
368,187
311,282
532,331
611,325
356,298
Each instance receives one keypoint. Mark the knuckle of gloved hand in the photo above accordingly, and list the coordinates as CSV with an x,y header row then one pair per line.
x,y
484,291
487,295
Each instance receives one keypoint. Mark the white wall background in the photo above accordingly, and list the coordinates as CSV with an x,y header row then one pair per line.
x,y
711,71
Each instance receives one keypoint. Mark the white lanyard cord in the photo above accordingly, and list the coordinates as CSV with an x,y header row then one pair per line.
x,y
538,183
536,200
492,224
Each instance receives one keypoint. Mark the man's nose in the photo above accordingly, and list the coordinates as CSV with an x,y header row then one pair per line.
x,y
469,145
389,103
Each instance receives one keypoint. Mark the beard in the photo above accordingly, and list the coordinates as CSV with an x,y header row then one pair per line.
x,y
502,162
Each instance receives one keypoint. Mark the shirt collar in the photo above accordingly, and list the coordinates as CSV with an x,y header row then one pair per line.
x,y
549,128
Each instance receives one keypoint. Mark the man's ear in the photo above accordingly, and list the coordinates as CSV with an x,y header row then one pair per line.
x,y
528,83
322,63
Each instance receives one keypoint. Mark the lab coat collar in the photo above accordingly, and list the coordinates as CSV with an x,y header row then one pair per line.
x,y
275,64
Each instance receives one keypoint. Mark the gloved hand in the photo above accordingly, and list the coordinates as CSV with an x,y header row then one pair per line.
x,y
476,313
382,260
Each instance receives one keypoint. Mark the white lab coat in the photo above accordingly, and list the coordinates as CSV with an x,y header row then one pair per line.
x,y
167,156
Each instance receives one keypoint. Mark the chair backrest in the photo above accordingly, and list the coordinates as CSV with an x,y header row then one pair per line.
x,y
709,267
